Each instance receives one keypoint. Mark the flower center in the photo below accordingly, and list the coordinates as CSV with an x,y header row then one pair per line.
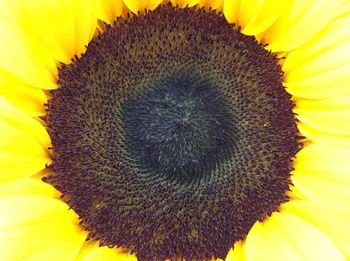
x,y
179,128
172,135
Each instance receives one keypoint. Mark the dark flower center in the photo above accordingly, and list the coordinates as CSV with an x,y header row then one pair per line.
x,y
172,135
179,128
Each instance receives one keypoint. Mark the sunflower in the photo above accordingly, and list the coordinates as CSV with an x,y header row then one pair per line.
x,y
179,130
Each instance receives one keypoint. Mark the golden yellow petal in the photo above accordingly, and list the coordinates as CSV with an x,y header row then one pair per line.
x,y
64,27
110,9
19,120
237,253
323,158
328,115
335,103
298,24
184,3
25,57
255,16
38,228
334,58
345,9
24,143
22,95
231,10
27,186
92,252
332,36
85,21
20,154
14,140
136,6
14,166
295,193
324,138
318,87
287,237
323,186
213,4
332,219
322,173
321,63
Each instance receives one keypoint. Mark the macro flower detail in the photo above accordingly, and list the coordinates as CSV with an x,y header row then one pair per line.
x,y
163,148
174,130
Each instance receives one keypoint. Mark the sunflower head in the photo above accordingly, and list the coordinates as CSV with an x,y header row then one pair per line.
x,y
172,130
161,123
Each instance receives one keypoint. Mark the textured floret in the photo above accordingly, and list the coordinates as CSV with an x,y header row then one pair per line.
x,y
172,135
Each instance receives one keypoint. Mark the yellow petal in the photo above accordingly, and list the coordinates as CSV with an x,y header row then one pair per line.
x,y
23,150
136,6
110,9
300,23
286,237
231,10
335,103
255,16
237,253
85,20
322,173
52,23
295,193
332,59
328,115
23,122
323,158
15,139
92,252
64,27
213,4
14,166
320,68
333,35
22,95
332,219
184,3
323,186
324,138
38,228
24,57
328,84
27,186
345,9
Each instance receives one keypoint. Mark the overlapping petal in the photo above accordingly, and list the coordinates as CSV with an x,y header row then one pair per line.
x,y
324,138
23,55
237,253
93,252
110,9
299,23
332,219
35,227
213,4
320,68
24,143
27,186
136,6
21,94
327,115
322,174
284,236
